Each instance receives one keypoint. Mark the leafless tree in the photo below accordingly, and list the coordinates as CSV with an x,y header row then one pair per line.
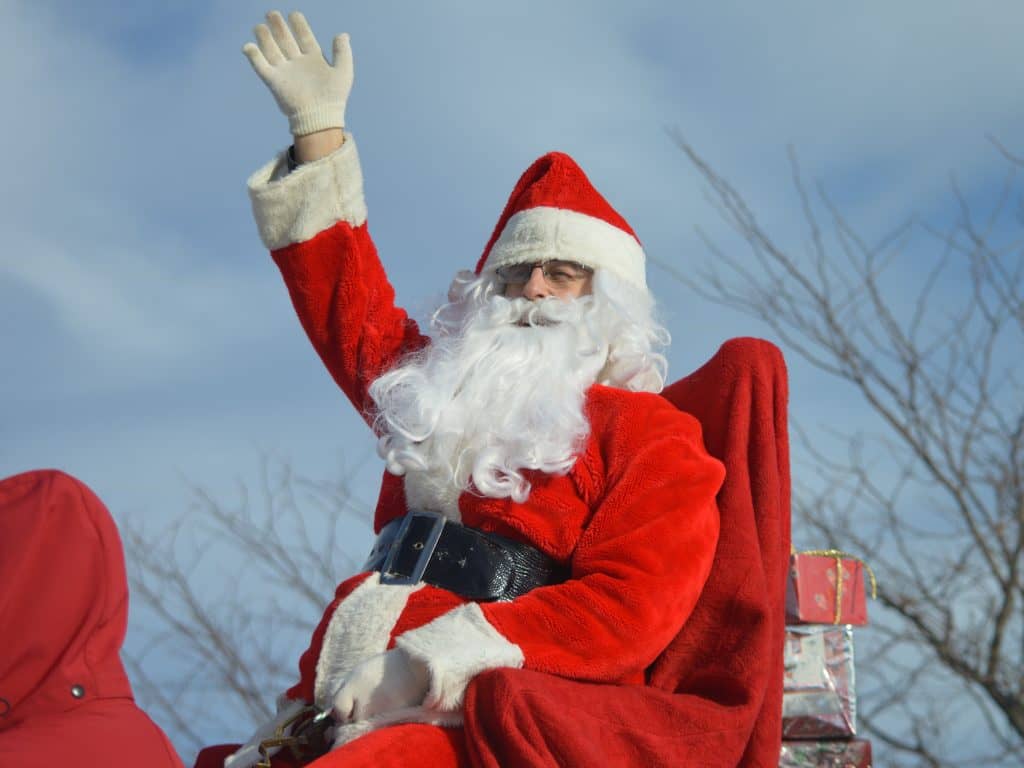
x,y
230,593
929,485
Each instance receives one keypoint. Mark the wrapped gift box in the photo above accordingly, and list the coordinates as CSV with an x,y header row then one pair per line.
x,y
818,699
826,589
826,754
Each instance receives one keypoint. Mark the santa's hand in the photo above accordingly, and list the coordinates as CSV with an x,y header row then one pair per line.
x,y
311,92
383,683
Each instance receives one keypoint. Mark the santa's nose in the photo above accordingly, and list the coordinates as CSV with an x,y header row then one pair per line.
x,y
537,286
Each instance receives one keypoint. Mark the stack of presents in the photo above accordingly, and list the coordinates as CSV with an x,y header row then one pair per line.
x,y
825,600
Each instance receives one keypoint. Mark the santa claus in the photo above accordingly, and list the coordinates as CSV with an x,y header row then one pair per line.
x,y
541,506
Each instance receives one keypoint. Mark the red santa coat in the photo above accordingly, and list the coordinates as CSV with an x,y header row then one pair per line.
x,y
635,518
64,695
714,697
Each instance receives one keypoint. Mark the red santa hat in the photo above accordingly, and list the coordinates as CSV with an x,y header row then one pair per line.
x,y
554,212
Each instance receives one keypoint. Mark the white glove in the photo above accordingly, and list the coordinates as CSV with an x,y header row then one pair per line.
x,y
310,92
383,683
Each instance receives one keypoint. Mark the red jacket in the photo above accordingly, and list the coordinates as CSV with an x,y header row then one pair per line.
x,y
635,518
64,695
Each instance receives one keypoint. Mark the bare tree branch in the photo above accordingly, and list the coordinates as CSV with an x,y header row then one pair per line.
x,y
926,324
231,590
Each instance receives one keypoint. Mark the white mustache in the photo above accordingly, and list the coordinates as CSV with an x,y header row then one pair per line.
x,y
539,313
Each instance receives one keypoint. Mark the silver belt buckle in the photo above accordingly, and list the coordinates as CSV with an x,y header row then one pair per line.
x,y
425,547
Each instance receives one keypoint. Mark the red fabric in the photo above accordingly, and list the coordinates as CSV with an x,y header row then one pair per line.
x,y
715,695
556,181
400,746
640,553
214,756
63,613
347,307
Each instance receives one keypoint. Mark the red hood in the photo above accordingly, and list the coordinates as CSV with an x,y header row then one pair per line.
x,y
63,599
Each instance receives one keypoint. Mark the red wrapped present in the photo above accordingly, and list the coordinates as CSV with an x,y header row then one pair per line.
x,y
826,586
818,696
826,754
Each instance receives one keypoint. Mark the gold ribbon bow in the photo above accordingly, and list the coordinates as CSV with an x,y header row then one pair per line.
x,y
839,556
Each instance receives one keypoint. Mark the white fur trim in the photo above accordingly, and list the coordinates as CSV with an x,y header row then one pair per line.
x,y
559,233
427,491
360,627
456,647
293,207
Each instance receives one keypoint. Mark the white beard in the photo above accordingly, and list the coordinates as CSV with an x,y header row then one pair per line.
x,y
475,409
501,389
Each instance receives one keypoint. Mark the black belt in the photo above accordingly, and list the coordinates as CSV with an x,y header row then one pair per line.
x,y
423,546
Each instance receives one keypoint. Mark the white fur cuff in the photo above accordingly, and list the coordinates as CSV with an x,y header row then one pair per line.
x,y
456,647
294,207
360,628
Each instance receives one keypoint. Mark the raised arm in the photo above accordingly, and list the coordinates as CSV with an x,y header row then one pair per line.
x,y
313,217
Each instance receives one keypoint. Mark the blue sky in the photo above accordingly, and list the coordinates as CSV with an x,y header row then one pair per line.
x,y
147,338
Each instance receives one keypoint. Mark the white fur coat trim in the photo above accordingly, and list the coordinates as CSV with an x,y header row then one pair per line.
x,y
456,647
427,491
545,232
293,207
360,628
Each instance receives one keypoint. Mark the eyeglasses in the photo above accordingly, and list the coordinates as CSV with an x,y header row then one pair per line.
x,y
557,273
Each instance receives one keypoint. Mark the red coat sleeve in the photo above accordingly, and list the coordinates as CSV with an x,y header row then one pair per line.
x,y
314,222
637,570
